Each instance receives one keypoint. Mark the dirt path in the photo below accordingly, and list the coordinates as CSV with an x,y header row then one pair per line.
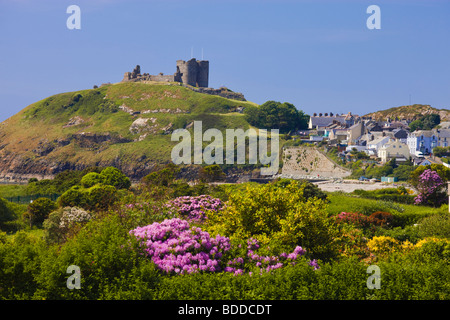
x,y
351,185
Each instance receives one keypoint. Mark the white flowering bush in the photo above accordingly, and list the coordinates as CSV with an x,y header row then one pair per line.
x,y
62,223
73,215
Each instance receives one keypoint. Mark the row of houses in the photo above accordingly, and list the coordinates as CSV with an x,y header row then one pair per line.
x,y
382,140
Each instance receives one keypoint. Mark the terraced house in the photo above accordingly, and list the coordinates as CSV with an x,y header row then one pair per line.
x,y
426,140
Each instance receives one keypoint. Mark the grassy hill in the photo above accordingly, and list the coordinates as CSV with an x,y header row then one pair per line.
x,y
409,112
98,127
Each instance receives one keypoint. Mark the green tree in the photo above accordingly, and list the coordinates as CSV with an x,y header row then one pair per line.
x,y
441,170
74,197
276,115
278,215
164,177
211,173
100,196
114,177
91,179
403,172
6,214
426,122
39,210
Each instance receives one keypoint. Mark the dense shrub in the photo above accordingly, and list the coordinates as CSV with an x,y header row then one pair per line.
x,y
177,248
39,210
437,225
357,219
211,173
74,197
269,212
63,223
106,256
164,177
99,196
432,189
194,208
19,266
383,245
441,170
114,177
309,190
6,214
399,195
91,179
276,115
408,233
381,218
60,183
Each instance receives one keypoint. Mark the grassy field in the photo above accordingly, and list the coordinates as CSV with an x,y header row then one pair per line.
x,y
12,190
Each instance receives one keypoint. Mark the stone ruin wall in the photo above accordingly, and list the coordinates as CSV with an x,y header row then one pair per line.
x,y
192,74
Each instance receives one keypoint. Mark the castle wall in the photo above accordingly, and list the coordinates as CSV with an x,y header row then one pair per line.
x,y
192,72
188,71
203,73
162,78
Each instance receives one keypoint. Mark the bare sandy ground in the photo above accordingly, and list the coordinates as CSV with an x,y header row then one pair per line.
x,y
351,185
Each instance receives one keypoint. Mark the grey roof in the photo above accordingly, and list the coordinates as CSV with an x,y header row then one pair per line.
x,y
443,133
400,133
378,140
445,124
325,121
425,133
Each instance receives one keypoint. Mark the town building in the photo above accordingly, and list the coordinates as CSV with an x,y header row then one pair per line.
x,y
394,149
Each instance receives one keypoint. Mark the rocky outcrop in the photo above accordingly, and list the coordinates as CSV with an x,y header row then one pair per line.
x,y
141,125
222,92
309,163
93,140
74,121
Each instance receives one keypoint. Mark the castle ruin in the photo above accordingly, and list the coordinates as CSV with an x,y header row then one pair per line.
x,y
192,74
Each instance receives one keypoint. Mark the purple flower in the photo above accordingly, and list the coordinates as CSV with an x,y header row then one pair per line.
x,y
174,246
314,264
195,208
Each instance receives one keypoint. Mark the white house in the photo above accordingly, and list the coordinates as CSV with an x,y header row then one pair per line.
x,y
394,149
376,144
422,140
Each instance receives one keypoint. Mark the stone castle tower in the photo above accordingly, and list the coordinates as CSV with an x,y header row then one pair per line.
x,y
192,72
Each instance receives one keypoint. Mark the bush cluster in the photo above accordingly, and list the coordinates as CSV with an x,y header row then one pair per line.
x,y
399,195
282,214
169,240
194,208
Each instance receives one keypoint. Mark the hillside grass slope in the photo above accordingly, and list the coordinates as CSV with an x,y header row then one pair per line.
x,y
94,127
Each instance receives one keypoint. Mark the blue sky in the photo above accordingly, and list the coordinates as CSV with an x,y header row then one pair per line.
x,y
318,55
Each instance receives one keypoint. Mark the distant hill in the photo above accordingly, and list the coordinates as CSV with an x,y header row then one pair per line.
x,y
410,112
126,125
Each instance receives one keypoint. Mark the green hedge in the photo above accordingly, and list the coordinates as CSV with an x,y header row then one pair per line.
x,y
112,269
388,194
